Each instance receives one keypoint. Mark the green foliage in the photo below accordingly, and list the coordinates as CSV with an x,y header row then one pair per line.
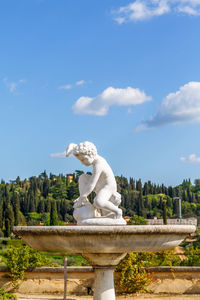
x,y
53,213
35,218
137,220
7,296
9,219
161,258
21,199
21,259
164,212
193,257
132,278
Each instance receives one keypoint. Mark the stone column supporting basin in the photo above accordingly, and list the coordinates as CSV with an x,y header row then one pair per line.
x,y
104,246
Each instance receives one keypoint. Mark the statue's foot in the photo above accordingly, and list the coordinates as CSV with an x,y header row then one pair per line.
x,y
102,222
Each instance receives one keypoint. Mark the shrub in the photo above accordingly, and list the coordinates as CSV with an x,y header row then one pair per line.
x,y
193,257
133,275
7,296
21,259
132,278
137,220
164,258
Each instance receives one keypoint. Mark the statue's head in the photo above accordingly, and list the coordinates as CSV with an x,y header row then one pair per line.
x,y
86,152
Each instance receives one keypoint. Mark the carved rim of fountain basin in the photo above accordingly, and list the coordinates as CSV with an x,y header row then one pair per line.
x,y
118,229
104,239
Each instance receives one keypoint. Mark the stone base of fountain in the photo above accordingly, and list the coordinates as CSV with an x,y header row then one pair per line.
x,y
104,246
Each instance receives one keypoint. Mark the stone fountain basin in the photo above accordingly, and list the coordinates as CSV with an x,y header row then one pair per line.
x,y
104,239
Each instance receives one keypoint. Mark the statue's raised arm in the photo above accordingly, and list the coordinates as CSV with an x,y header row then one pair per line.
x,y
104,210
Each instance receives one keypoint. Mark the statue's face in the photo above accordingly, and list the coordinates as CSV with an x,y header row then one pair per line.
x,y
85,159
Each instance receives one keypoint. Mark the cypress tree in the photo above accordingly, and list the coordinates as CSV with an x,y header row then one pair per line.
x,y
141,205
48,205
53,213
1,216
41,206
7,228
16,206
9,220
164,212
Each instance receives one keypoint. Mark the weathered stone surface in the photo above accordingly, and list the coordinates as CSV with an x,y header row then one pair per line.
x,y
182,280
104,239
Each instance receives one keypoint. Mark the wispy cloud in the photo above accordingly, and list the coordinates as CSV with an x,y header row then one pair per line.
x,y
65,87
58,155
12,86
192,158
70,86
100,104
182,106
81,82
140,10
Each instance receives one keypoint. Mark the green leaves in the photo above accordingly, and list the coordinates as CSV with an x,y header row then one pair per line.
x,y
137,220
7,296
132,278
21,259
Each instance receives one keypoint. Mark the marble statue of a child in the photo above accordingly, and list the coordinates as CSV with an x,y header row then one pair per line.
x,y
102,182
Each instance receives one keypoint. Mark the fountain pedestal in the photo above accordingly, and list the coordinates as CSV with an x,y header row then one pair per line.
x,y
104,283
104,246
104,265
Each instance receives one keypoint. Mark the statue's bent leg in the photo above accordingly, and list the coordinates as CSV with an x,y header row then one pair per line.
x,y
102,201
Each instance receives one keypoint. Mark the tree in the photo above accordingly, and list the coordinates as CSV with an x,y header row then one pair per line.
x,y
53,214
140,205
16,206
45,187
9,220
41,206
164,212
59,190
1,216
139,185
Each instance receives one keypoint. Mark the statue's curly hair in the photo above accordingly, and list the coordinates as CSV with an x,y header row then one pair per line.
x,y
84,148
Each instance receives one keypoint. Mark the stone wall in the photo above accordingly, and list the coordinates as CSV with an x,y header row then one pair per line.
x,y
179,280
176,280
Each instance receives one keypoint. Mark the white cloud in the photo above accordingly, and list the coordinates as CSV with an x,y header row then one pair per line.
x,y
100,104
58,155
65,87
180,107
145,9
70,86
188,10
80,82
192,158
12,86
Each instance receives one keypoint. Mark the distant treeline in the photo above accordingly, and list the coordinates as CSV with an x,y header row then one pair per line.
x,y
48,199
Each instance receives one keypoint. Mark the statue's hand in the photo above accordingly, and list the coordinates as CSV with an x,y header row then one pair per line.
x,y
83,198
80,201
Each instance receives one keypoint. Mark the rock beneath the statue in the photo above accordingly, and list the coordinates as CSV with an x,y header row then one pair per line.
x,y
83,212
102,222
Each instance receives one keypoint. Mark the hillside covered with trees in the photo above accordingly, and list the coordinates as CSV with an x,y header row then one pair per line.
x,y
48,199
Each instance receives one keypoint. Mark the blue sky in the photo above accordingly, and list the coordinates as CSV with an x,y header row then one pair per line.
x,y
121,74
